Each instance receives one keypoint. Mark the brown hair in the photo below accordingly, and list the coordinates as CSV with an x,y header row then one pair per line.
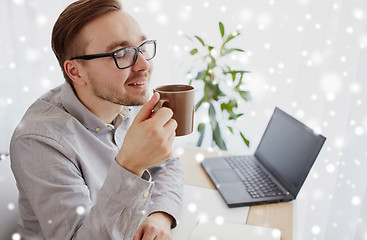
x,y
65,41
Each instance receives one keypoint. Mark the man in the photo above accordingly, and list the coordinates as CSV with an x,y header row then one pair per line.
x,y
89,163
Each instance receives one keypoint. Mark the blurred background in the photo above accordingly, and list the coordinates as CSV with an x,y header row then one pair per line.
x,y
306,57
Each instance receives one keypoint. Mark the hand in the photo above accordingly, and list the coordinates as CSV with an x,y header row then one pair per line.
x,y
149,140
157,226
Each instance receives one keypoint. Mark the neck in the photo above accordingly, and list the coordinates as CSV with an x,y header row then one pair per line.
x,y
103,109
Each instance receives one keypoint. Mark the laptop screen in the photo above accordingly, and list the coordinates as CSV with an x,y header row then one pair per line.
x,y
288,148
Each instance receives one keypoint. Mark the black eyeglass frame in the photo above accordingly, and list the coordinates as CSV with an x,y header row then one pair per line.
x,y
114,54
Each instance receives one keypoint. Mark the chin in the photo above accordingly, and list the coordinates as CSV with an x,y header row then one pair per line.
x,y
142,101
137,100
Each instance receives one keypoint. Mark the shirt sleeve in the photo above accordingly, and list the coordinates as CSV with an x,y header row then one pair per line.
x,y
169,186
53,191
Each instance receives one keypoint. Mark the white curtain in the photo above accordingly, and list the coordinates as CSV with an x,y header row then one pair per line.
x,y
307,57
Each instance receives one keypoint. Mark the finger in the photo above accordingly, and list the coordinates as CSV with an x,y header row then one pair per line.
x,y
152,114
139,233
171,125
162,116
171,139
163,236
147,108
149,236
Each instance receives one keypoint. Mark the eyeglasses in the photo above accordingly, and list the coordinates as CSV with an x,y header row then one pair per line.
x,y
126,57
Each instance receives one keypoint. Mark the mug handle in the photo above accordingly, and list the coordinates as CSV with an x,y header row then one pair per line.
x,y
159,104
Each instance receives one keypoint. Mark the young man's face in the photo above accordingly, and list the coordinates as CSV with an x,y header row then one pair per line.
x,y
108,33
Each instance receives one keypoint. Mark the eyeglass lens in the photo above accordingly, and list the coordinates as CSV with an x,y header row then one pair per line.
x,y
127,56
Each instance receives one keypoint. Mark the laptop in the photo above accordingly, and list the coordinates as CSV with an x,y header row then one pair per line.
x,y
276,171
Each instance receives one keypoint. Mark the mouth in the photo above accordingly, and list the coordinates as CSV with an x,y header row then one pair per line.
x,y
137,83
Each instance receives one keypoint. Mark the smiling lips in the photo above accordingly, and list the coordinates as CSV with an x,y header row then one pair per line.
x,y
137,83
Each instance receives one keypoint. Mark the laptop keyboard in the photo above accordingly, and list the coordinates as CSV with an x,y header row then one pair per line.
x,y
257,182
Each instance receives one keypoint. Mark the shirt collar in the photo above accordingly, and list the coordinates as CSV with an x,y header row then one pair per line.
x,y
74,107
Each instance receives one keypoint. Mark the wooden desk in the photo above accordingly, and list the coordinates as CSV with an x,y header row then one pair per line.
x,y
278,215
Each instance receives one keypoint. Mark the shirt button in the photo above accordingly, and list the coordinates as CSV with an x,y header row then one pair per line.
x,y
146,194
97,129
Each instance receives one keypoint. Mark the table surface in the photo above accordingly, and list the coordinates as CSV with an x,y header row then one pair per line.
x,y
277,215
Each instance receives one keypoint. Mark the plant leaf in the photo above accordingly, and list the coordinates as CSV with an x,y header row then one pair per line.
x,y
212,114
188,37
245,95
234,116
217,137
247,142
201,129
231,36
212,64
213,91
230,129
232,103
200,75
234,76
237,49
242,71
199,104
221,27
200,40
201,126
228,51
194,51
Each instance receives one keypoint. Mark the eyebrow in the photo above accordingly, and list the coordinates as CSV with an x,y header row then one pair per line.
x,y
122,44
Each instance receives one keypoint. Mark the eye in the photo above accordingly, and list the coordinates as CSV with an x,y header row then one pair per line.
x,y
125,53
144,47
148,50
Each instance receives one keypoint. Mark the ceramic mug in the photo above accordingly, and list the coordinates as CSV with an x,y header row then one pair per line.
x,y
180,99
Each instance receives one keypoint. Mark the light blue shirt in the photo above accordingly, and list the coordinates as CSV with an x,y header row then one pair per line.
x,y
71,187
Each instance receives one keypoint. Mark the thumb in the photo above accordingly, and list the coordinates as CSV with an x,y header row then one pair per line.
x,y
147,108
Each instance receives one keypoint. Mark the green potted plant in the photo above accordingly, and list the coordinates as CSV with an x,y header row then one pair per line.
x,y
208,69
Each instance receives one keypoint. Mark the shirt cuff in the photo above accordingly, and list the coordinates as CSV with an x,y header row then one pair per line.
x,y
160,205
121,184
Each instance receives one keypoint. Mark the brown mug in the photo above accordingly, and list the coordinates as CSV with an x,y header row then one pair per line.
x,y
180,99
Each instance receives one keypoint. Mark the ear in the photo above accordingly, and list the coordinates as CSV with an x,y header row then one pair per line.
x,y
74,71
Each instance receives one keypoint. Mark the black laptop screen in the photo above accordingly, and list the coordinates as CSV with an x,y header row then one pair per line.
x,y
288,148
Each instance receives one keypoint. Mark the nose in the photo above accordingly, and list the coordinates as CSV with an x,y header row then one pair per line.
x,y
141,64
